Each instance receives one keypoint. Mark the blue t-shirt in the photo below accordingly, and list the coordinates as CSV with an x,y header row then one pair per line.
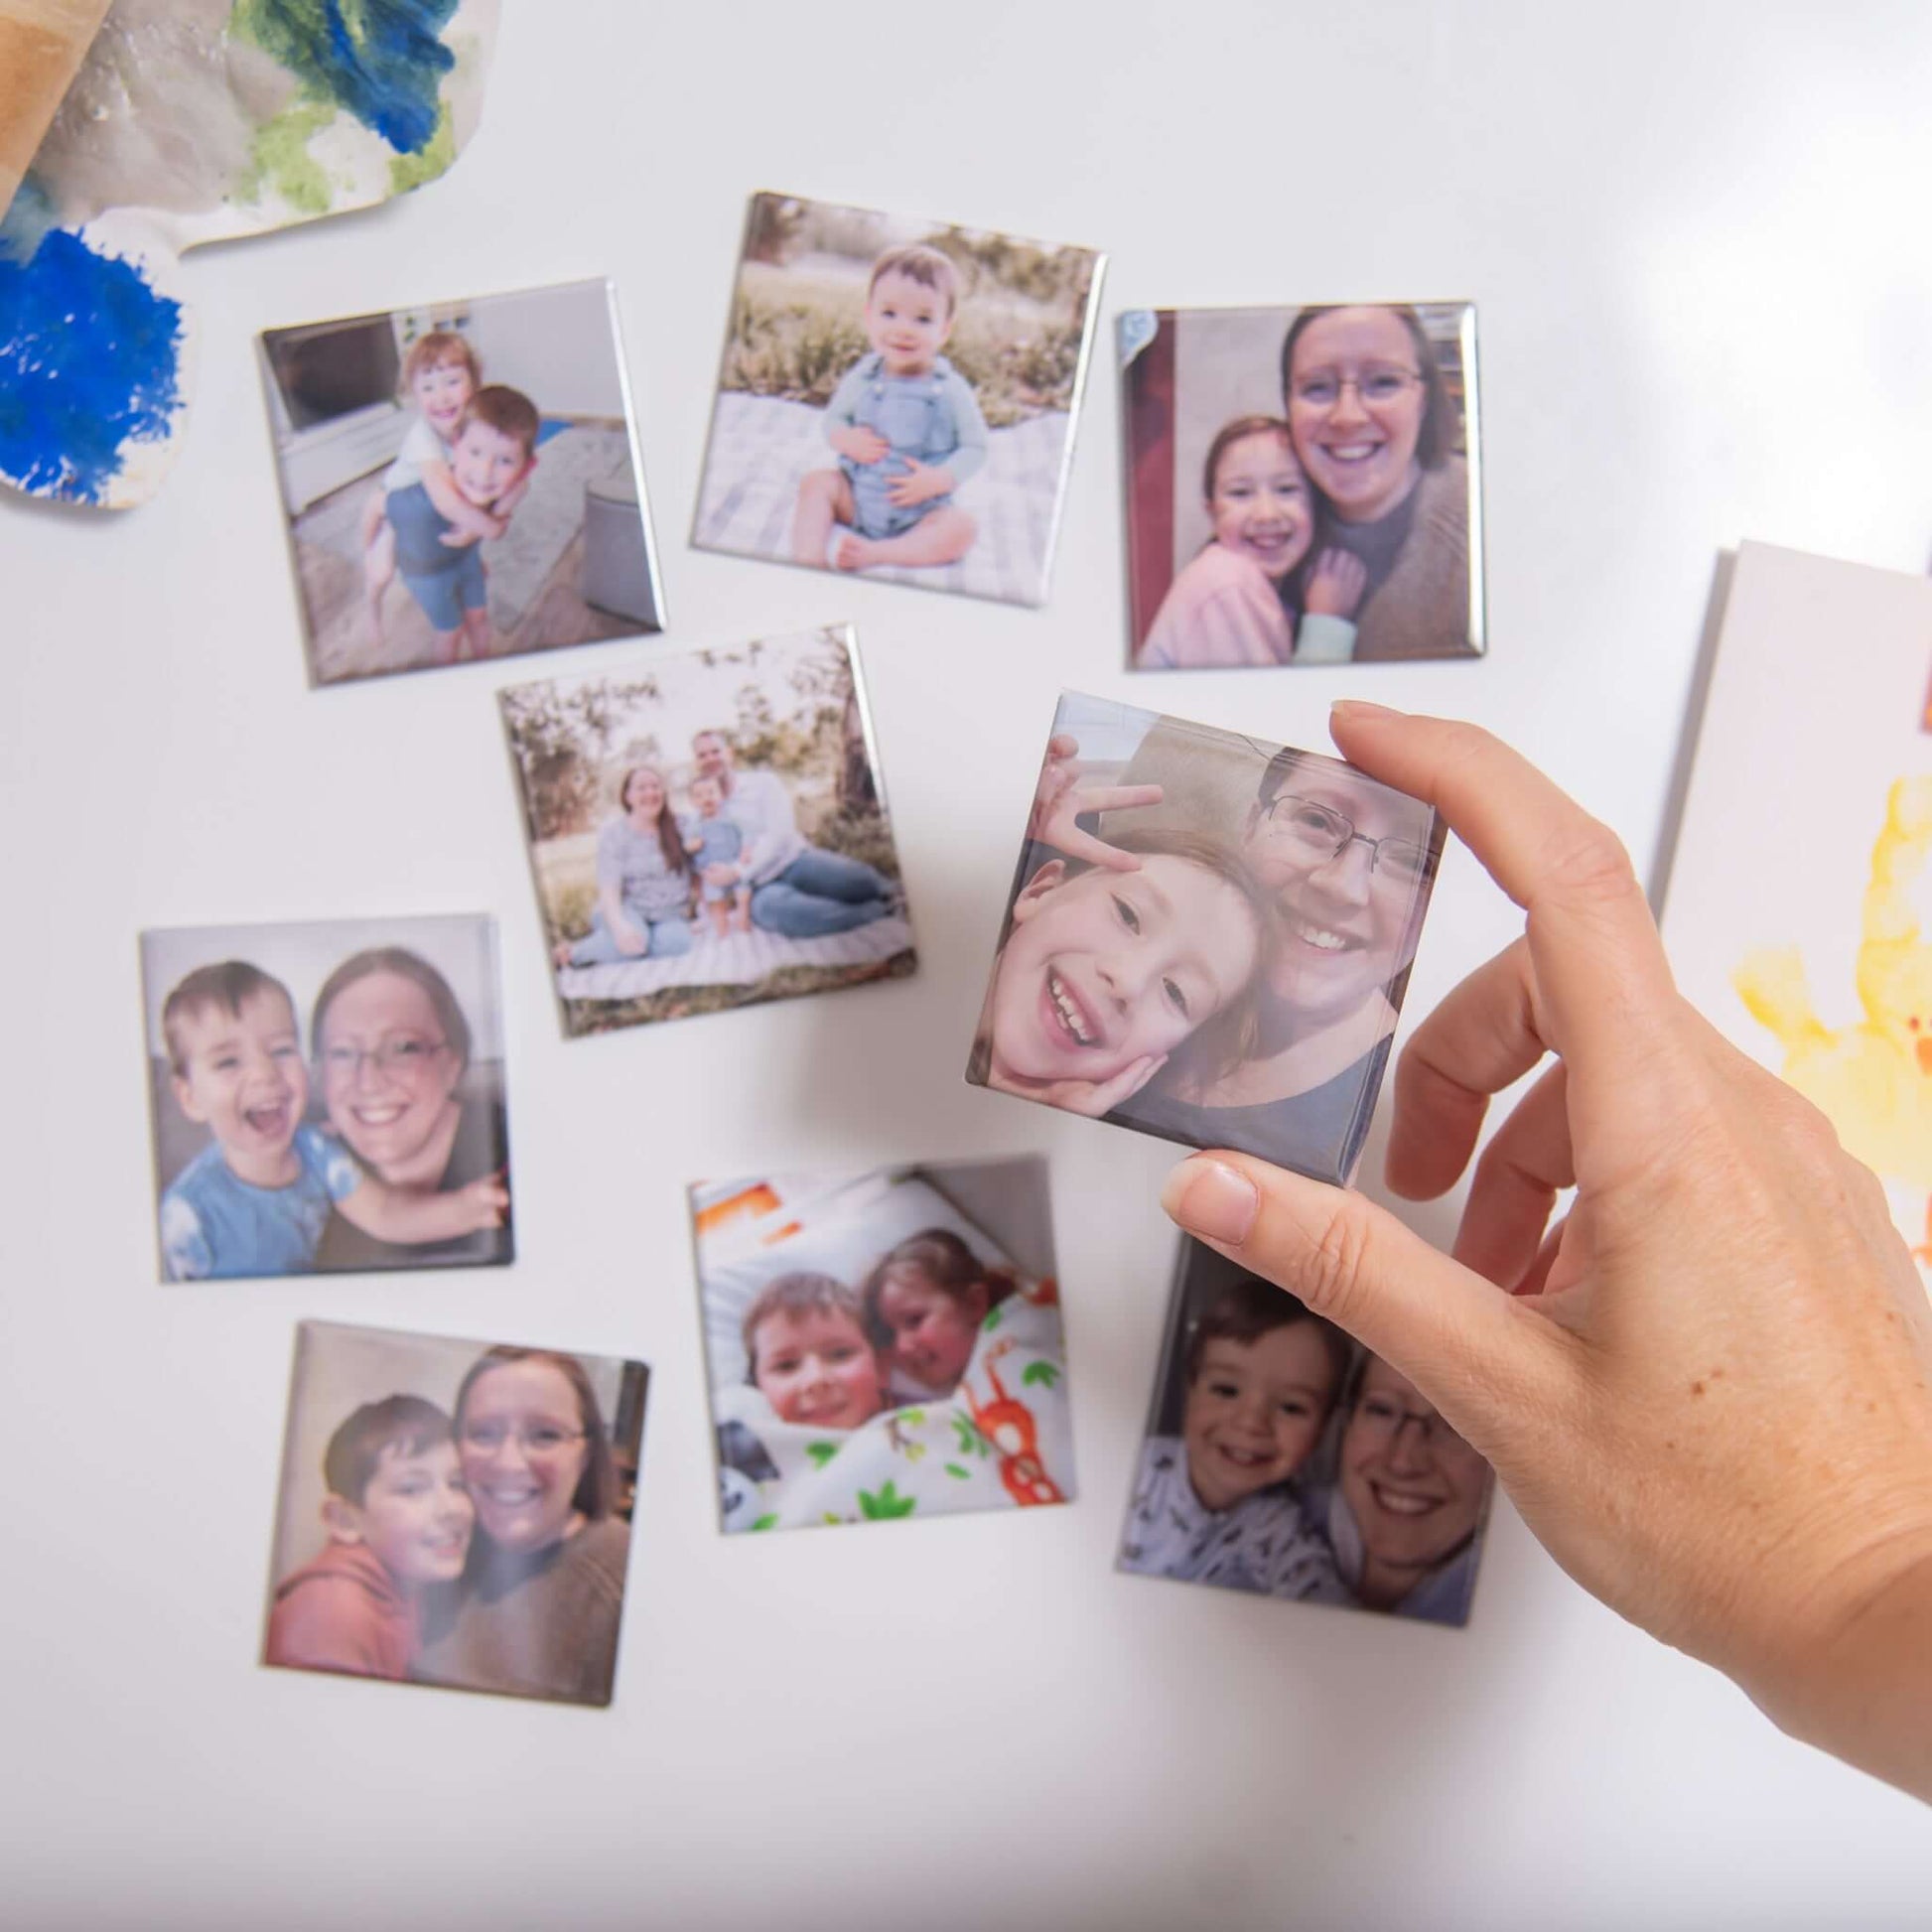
x,y
214,1225
720,841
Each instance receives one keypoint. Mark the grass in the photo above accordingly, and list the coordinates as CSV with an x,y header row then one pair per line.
x,y
682,1003
794,335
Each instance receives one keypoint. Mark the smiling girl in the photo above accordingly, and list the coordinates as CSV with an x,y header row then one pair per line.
x,y
1226,607
923,1306
1104,972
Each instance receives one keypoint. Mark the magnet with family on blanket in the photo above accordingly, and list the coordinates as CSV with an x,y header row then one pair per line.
x,y
1284,1459
327,1097
1303,485
455,1512
709,830
897,398
461,480
1208,937
883,1345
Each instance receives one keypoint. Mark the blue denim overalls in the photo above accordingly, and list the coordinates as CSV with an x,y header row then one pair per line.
x,y
914,414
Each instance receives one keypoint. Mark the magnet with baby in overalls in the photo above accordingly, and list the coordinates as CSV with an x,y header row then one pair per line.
x,y
896,399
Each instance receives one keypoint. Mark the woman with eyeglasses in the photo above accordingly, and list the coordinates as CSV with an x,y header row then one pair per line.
x,y
1374,429
1408,1506
392,1048
536,1614
1347,862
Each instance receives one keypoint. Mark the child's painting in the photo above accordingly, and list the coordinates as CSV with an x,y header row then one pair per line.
x,y
328,1098
1303,485
1799,913
455,1512
189,122
1284,1459
460,482
896,399
883,1345
1207,939
709,830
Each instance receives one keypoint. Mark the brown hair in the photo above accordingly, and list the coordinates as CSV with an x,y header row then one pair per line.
x,y
1225,1038
405,965
1239,431
670,841
224,988
798,1292
436,348
1437,437
918,263
403,1422
1245,1311
509,412
596,1489
938,1257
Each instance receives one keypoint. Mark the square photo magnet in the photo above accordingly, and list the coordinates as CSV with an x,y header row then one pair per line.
x,y
1303,485
455,1512
1208,937
328,1098
897,398
883,1345
1284,1459
709,830
460,480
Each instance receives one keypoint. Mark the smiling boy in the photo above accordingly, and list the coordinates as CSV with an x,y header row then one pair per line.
x,y
399,1520
1216,1504
810,1356
907,427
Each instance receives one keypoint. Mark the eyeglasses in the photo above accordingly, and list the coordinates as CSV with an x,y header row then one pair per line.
x,y
1322,388
1381,1416
537,1441
406,1056
1317,835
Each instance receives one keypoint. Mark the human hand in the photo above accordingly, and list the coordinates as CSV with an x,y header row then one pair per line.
x,y
721,872
1709,1388
629,939
482,1204
861,445
919,484
455,539
1060,797
1335,585
1089,1097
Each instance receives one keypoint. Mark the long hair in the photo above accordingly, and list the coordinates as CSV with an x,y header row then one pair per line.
x,y
596,1489
670,841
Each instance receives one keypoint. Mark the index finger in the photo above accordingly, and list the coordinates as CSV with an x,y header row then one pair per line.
x,y
1601,981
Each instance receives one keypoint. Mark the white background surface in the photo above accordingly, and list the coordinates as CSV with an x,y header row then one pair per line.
x,y
1699,243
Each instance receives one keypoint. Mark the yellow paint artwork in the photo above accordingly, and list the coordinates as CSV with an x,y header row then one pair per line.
x,y
1873,1081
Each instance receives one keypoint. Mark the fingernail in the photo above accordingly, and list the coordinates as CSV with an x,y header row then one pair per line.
x,y
1217,1203
1356,710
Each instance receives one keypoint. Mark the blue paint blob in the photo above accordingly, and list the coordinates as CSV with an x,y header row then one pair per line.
x,y
387,71
88,358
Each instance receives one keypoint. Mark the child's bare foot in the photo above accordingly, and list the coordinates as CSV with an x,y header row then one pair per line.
x,y
852,553
560,955
741,919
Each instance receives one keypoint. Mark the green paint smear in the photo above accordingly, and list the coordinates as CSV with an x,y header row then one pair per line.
x,y
409,170
280,161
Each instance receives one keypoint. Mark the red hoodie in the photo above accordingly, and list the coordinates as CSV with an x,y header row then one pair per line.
x,y
343,1613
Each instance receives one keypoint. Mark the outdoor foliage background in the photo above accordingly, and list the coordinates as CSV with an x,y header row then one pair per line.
x,y
797,308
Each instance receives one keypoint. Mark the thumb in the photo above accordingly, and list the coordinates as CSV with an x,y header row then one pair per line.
x,y
1484,1358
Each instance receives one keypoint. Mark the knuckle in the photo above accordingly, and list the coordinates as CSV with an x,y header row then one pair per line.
x,y
1332,1271
1586,861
